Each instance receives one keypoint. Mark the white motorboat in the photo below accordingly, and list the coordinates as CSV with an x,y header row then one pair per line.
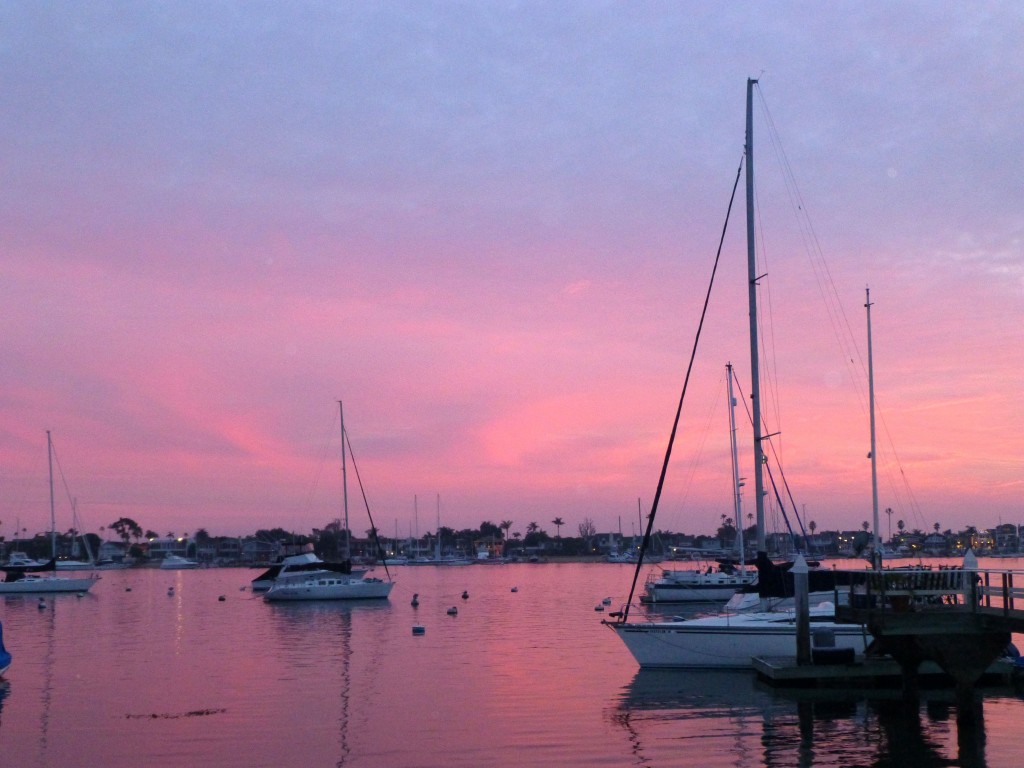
x,y
172,562
35,579
303,564
697,586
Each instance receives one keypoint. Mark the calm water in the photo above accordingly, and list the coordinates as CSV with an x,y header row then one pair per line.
x,y
141,677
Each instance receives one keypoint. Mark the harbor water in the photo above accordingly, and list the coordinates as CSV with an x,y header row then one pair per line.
x,y
175,668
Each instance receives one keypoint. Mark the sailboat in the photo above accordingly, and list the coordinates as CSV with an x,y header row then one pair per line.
x,y
34,579
713,584
322,583
91,563
731,640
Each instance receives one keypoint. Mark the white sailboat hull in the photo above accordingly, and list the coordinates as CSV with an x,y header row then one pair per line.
x,y
728,641
329,588
33,584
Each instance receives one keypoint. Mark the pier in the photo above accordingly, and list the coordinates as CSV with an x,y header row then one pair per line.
x,y
960,618
954,621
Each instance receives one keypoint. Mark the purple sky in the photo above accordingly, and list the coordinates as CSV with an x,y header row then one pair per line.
x,y
488,228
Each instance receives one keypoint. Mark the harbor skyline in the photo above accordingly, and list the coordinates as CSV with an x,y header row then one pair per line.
x,y
488,229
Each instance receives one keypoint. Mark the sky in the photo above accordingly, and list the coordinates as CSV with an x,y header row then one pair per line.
x,y
488,229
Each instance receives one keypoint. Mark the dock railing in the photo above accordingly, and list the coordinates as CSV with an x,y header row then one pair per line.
x,y
901,590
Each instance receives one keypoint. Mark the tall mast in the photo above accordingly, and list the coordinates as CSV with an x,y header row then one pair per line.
x,y
876,557
752,277
53,511
344,484
735,470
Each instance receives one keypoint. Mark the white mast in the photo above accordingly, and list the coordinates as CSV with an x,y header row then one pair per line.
x,y
752,278
877,550
344,485
53,511
736,503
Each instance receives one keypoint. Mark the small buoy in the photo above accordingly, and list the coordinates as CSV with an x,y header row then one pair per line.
x,y
453,611
606,601
81,594
42,603
127,589
170,590
515,589
599,608
465,595
419,629
415,600
221,599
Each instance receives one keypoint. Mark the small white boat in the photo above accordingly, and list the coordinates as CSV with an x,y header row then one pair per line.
x,y
177,563
697,586
32,580
328,587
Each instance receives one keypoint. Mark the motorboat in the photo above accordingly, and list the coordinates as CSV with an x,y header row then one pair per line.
x,y
698,585
172,562
302,564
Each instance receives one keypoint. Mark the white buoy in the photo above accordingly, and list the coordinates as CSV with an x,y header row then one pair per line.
x,y
42,603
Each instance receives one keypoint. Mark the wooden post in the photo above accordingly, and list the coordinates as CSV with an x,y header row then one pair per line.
x,y
803,618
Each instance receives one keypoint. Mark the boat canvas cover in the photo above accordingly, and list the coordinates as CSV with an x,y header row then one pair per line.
x,y
17,572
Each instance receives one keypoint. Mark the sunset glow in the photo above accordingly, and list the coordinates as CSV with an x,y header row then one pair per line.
x,y
488,229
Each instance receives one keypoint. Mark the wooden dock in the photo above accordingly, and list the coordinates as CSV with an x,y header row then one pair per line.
x,y
868,672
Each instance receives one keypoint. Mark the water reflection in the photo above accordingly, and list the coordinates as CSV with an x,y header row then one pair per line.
x,y
319,634
5,689
735,721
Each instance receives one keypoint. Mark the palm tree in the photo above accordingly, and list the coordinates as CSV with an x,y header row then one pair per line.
x,y
532,528
505,525
558,523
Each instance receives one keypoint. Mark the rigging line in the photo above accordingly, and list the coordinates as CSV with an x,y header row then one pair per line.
x,y
812,245
782,471
699,452
841,326
679,409
373,528
769,355
63,480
